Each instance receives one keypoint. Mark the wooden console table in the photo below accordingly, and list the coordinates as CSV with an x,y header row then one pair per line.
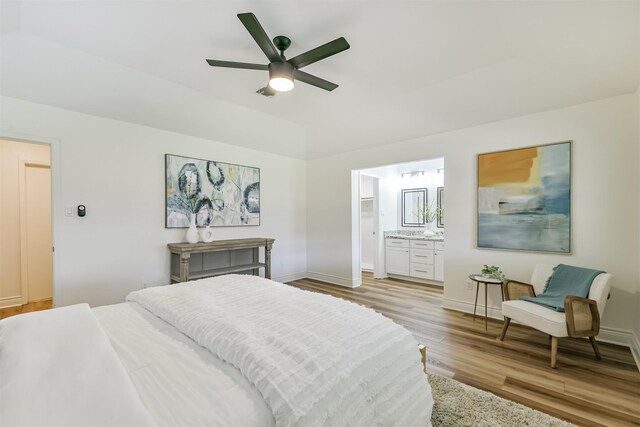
x,y
190,261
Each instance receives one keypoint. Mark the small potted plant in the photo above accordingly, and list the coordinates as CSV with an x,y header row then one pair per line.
x,y
492,272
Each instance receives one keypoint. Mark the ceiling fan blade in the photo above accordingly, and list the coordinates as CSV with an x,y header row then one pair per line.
x,y
230,64
321,52
260,36
313,80
266,91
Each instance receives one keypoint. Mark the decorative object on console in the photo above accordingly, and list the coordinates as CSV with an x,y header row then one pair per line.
x,y
414,201
192,232
441,207
214,193
206,234
524,199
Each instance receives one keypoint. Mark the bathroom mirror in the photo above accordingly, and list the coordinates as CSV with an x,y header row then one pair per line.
x,y
413,204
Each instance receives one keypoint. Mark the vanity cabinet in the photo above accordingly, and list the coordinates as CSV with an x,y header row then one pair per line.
x,y
397,256
418,258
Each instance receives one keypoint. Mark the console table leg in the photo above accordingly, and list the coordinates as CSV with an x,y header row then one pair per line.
x,y
184,267
256,259
267,261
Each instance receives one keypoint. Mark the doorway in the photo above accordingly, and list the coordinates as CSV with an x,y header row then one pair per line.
x,y
401,219
26,250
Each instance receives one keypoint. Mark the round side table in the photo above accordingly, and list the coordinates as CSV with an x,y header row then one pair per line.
x,y
478,278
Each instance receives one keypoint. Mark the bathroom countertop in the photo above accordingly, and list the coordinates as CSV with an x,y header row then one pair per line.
x,y
414,237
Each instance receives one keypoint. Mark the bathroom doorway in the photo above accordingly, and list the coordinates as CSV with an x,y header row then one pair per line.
x,y
401,222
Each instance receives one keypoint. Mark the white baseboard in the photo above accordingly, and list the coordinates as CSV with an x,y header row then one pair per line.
x,y
14,301
635,349
624,338
290,277
336,280
467,307
608,335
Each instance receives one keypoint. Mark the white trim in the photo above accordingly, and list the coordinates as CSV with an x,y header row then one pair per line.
x,y
14,301
467,307
635,349
336,280
622,337
290,277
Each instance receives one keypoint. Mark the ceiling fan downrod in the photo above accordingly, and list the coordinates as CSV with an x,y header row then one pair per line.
x,y
282,43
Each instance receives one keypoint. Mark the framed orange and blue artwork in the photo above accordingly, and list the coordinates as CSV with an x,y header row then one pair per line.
x,y
524,199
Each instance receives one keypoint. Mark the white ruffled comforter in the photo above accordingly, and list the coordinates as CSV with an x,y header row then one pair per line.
x,y
317,360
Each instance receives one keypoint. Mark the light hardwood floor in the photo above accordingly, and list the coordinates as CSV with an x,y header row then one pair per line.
x,y
582,390
32,306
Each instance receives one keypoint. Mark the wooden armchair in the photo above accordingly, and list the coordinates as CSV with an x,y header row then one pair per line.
x,y
581,317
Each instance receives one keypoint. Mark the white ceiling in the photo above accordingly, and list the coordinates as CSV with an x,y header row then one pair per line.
x,y
414,68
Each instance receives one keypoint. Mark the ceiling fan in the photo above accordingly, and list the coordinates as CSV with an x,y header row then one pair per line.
x,y
282,71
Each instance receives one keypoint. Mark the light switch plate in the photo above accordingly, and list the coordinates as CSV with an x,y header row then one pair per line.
x,y
68,211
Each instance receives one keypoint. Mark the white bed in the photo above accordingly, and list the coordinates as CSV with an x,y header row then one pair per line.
x,y
226,351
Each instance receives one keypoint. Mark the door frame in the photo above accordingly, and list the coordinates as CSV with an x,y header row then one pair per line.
x,y
56,202
378,256
23,164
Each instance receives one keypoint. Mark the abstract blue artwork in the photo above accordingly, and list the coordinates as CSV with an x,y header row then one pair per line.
x,y
218,194
524,199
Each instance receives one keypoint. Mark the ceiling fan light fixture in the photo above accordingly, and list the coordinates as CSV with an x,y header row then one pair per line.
x,y
281,84
281,76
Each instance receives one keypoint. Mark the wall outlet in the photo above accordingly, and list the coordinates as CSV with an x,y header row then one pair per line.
x,y
470,285
145,285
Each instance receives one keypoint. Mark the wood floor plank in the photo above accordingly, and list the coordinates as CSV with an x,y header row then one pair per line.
x,y
27,308
583,390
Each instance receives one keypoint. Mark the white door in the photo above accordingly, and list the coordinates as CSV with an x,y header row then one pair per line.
x,y
36,246
367,241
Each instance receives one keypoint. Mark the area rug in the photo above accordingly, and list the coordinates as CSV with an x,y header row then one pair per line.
x,y
457,404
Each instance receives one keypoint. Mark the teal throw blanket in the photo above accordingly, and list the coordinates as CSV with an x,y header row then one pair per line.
x,y
565,280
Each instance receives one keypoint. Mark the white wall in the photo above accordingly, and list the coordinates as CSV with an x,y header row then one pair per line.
x,y
605,195
116,169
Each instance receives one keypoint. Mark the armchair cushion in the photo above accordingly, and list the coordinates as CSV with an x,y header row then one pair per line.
x,y
565,280
536,316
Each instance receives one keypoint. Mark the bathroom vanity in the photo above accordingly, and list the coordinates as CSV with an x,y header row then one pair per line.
x,y
413,256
